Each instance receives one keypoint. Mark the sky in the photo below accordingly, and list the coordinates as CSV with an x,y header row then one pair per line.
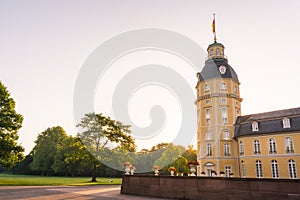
x,y
44,44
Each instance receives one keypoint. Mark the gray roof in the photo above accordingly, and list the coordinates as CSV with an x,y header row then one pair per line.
x,y
211,70
268,122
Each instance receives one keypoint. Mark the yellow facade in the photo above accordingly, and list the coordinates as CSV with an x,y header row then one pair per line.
x,y
282,155
228,143
218,105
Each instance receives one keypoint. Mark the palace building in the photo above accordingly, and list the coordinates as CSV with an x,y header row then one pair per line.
x,y
264,145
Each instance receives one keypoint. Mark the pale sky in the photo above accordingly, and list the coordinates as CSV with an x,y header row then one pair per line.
x,y
44,44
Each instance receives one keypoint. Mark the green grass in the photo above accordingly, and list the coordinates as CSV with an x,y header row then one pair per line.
x,y
18,180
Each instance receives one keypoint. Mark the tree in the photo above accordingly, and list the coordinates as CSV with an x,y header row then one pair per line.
x,y
170,154
190,154
45,149
72,157
10,123
98,131
159,146
23,167
180,165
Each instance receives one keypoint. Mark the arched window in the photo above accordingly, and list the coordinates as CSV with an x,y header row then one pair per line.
x,y
241,148
209,135
223,86
274,169
235,89
211,53
218,52
256,147
207,88
289,147
224,115
226,135
272,146
226,149
209,150
207,115
243,166
292,169
259,173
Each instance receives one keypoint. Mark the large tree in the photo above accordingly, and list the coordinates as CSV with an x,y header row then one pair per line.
x,y
45,149
10,123
72,157
97,131
170,155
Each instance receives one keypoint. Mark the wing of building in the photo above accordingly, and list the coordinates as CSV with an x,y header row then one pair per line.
x,y
269,144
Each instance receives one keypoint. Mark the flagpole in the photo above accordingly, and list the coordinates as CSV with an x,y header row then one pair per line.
x,y
215,34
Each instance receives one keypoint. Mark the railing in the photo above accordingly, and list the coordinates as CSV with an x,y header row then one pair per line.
x,y
216,56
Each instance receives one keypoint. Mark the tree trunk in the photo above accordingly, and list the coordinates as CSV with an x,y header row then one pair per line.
x,y
94,175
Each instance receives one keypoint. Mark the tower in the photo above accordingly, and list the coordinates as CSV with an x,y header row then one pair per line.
x,y
218,105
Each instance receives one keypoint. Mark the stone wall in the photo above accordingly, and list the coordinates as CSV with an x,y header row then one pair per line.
x,y
206,188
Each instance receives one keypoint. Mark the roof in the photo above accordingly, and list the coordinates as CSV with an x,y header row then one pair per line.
x,y
211,70
268,122
215,44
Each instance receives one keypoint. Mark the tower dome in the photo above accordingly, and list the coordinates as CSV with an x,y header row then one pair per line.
x,y
216,64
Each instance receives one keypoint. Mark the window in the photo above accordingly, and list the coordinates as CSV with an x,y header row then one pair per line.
x,y
227,171
207,101
235,89
223,86
207,88
259,169
286,123
223,101
272,146
226,135
208,135
289,147
237,112
241,148
209,149
207,115
256,147
292,169
224,115
243,169
211,53
218,52
274,169
226,149
254,126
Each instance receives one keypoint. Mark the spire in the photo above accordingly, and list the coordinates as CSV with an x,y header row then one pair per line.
x,y
213,25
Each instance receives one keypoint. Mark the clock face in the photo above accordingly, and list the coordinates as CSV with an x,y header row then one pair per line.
x,y
222,69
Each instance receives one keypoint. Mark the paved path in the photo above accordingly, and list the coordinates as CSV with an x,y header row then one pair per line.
x,y
106,192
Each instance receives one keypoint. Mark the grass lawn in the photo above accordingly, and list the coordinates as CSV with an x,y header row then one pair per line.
x,y
17,180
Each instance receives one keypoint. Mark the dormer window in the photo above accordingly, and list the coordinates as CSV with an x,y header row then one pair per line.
x,y
255,126
286,123
206,87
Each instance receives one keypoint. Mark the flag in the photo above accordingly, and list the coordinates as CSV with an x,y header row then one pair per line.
x,y
213,26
